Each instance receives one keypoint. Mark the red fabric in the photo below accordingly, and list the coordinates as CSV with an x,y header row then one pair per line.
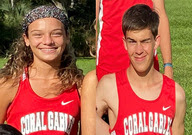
x,y
111,54
135,113
33,115
156,63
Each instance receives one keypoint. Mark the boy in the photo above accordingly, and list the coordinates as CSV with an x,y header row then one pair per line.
x,y
139,99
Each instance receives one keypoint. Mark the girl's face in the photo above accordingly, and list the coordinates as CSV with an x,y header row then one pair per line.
x,y
47,39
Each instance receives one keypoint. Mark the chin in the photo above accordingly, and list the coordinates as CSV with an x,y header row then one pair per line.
x,y
140,68
51,59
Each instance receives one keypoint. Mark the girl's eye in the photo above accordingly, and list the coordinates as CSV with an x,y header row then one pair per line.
x,y
57,34
37,35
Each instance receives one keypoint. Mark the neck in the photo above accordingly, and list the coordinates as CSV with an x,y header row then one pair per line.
x,y
43,70
142,77
146,86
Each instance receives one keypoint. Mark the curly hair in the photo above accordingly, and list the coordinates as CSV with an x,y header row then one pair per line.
x,y
21,56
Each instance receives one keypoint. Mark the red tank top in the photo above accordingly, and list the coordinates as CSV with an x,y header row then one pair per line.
x,y
137,116
111,54
32,114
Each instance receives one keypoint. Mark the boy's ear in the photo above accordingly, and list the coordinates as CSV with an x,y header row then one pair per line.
x,y
124,42
157,42
26,39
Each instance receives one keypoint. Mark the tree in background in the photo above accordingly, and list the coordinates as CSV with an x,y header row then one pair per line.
x,y
81,14
11,16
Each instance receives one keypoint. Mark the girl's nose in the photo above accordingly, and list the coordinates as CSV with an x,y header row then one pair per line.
x,y
47,40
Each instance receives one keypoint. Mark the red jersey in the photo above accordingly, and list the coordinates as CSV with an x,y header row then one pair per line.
x,y
137,116
32,115
111,54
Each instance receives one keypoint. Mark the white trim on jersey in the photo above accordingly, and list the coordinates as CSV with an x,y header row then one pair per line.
x,y
100,28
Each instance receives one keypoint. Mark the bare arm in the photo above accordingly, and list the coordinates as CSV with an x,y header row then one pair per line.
x,y
4,102
101,126
178,122
164,32
101,107
7,93
97,10
88,103
97,17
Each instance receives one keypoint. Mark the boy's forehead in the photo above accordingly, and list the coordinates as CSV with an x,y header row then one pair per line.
x,y
139,33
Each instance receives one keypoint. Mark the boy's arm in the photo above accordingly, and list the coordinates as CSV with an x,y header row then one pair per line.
x,y
102,128
101,107
178,122
164,32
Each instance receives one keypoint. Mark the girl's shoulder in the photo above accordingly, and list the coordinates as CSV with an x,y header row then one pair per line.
x,y
8,89
7,93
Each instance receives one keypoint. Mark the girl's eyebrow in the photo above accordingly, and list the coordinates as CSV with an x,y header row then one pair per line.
x,y
41,30
35,31
57,29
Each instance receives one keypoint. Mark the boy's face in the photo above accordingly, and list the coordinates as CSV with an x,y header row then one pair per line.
x,y
140,45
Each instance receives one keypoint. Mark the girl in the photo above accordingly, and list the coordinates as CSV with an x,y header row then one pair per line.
x,y
40,81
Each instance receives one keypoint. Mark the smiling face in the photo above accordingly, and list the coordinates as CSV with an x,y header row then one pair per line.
x,y
140,45
47,39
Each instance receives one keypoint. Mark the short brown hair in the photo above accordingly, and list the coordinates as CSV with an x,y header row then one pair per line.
x,y
139,17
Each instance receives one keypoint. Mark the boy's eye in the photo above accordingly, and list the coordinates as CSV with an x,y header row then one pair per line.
x,y
131,41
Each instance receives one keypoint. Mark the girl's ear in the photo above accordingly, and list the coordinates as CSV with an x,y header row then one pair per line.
x,y
157,42
67,40
26,39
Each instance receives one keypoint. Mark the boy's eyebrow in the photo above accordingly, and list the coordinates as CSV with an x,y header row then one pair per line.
x,y
128,38
145,39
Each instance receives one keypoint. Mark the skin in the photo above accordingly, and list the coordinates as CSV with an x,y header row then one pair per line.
x,y
6,90
47,40
164,32
165,45
145,81
88,119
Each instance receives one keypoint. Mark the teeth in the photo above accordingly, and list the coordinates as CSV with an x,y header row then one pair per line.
x,y
48,49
